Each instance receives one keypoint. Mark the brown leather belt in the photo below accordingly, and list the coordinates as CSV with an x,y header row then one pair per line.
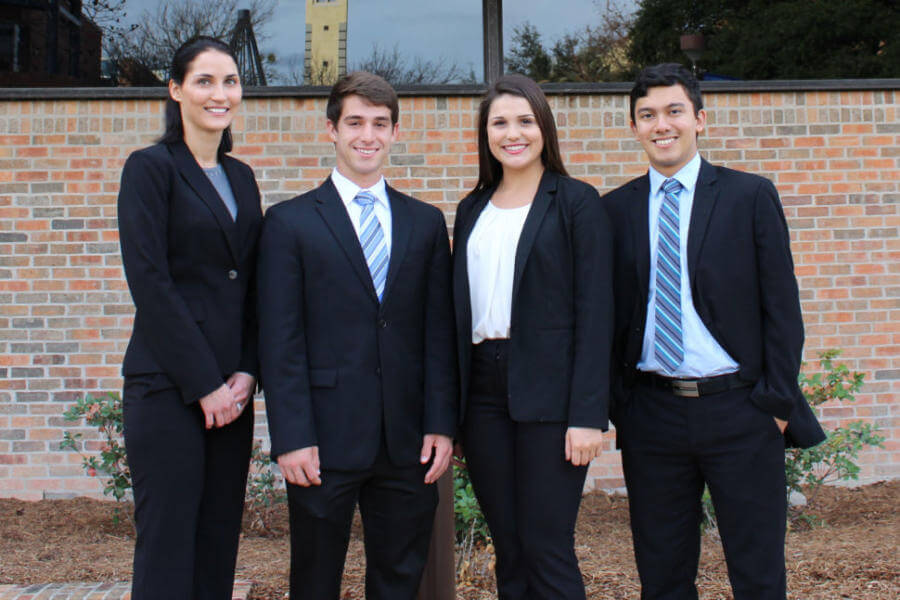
x,y
693,388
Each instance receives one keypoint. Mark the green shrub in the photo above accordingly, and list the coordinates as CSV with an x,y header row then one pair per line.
x,y
470,524
104,413
263,495
807,469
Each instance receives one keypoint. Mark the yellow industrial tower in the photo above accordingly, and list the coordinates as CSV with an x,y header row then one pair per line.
x,y
326,41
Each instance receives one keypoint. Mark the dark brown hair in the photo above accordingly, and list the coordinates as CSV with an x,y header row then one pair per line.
x,y
367,85
181,62
490,172
665,75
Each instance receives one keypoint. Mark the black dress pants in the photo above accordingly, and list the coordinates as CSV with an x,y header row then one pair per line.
x,y
671,446
527,490
189,484
397,509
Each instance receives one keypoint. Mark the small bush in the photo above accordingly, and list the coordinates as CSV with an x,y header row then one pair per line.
x,y
104,413
471,528
808,469
263,492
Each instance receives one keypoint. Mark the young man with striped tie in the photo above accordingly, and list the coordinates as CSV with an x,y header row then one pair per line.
x,y
708,347
357,356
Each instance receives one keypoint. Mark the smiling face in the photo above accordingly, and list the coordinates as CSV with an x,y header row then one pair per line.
x,y
362,139
209,94
514,137
667,126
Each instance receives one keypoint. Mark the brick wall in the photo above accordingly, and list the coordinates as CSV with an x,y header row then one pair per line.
x,y
65,312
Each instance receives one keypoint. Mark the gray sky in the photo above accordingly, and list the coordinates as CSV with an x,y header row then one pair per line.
x,y
430,29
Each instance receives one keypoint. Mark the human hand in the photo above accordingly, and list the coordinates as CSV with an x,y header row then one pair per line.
x,y
242,386
301,467
219,407
441,446
782,425
583,444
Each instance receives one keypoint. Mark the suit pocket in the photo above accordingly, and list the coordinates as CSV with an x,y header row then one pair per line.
x,y
324,378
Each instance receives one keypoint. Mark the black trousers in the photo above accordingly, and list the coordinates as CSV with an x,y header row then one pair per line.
x,y
189,485
397,509
528,492
671,446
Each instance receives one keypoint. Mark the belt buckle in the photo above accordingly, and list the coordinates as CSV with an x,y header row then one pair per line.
x,y
686,388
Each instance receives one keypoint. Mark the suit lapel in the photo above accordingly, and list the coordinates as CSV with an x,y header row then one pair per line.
x,y
334,213
640,230
401,227
705,196
192,173
542,200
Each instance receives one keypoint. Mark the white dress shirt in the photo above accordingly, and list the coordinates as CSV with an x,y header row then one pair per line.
x,y
491,261
703,356
347,190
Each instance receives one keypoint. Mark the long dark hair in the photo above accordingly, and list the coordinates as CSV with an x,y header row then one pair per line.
x,y
490,171
181,61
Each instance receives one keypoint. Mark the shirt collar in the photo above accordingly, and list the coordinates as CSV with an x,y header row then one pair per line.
x,y
686,176
348,190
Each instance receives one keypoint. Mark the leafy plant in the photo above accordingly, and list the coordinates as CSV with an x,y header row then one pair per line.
x,y
104,413
807,469
263,493
471,528
470,521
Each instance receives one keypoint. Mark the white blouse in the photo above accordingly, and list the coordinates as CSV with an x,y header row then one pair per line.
x,y
491,259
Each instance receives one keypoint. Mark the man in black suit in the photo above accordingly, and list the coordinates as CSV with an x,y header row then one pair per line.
x,y
708,341
357,356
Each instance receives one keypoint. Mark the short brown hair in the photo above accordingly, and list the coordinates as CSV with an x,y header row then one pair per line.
x,y
489,169
367,85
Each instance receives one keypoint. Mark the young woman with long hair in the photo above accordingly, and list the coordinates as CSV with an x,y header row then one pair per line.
x,y
533,301
189,219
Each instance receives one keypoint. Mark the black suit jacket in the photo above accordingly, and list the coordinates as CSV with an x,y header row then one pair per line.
x,y
561,321
742,281
342,371
190,269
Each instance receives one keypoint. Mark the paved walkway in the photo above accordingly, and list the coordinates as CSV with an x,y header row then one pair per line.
x,y
120,590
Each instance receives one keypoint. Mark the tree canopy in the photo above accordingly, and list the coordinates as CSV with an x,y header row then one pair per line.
x,y
773,39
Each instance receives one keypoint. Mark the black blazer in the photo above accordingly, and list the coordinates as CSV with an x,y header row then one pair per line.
x,y
342,371
562,311
190,269
742,282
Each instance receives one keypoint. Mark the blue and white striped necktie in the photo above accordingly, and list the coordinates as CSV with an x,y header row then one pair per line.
x,y
668,343
371,238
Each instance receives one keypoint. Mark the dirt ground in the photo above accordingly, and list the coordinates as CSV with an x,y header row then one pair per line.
x,y
854,555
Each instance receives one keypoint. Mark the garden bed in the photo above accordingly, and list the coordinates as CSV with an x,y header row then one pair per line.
x,y
853,555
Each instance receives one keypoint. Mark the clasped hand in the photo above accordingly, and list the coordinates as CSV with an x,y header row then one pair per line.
x,y
226,403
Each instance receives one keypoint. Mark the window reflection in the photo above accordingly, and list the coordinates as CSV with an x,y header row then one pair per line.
x,y
588,44
129,43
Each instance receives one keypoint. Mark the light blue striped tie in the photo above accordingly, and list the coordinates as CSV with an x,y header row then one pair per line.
x,y
668,344
371,238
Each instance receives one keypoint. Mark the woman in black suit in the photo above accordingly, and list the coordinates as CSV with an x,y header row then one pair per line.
x,y
532,291
189,219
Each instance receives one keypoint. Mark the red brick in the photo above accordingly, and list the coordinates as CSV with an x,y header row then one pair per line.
x,y
837,191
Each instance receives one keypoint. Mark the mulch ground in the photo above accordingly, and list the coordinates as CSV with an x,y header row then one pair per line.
x,y
853,555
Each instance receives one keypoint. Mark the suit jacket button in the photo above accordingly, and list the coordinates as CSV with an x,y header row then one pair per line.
x,y
378,371
232,274
382,323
